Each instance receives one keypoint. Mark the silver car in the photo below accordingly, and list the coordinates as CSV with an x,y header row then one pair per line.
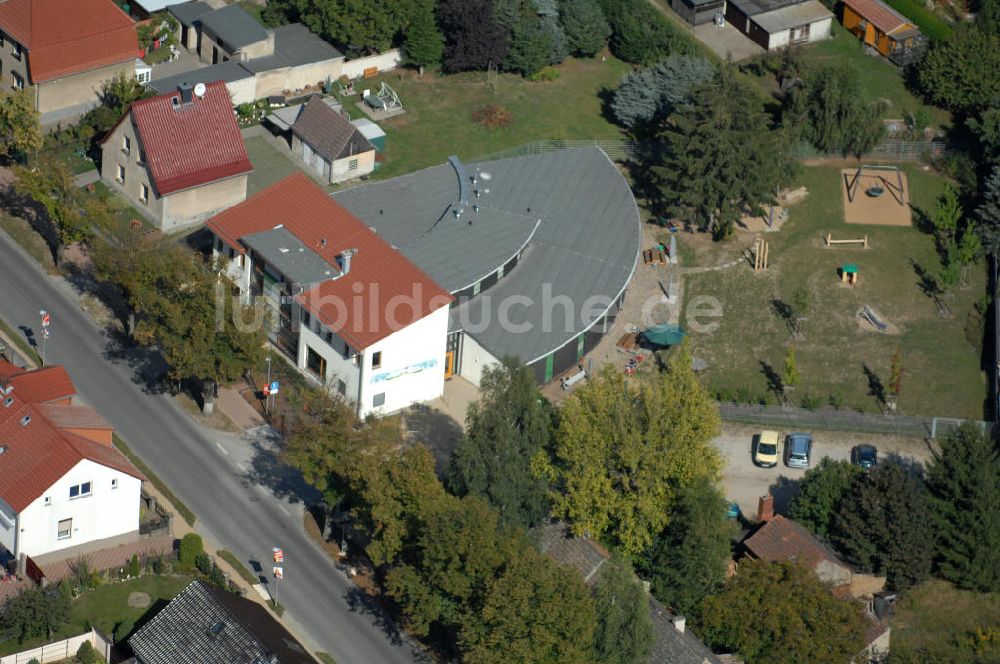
x,y
798,450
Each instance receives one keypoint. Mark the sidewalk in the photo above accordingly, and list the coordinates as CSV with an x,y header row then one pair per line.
x,y
231,402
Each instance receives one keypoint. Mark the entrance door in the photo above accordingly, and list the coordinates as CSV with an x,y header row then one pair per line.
x,y
449,364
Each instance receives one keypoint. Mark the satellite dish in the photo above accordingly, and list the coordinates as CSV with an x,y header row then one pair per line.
x,y
199,90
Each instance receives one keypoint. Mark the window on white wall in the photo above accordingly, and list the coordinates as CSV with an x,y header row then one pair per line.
x,y
114,483
79,490
65,530
144,193
120,175
48,500
378,400
376,359
126,144
352,164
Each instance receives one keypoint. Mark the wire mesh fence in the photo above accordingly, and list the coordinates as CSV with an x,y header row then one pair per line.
x,y
626,150
790,417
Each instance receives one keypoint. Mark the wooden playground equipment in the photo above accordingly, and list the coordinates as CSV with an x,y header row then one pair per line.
x,y
761,254
849,273
830,242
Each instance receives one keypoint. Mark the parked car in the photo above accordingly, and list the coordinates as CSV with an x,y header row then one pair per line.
x,y
765,451
798,450
864,456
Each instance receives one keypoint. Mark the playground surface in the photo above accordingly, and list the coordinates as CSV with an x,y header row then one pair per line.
x,y
841,357
884,209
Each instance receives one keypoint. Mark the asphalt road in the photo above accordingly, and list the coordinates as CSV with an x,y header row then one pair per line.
x,y
244,499
745,483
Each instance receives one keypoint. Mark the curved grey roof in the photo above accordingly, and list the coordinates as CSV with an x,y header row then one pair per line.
x,y
583,251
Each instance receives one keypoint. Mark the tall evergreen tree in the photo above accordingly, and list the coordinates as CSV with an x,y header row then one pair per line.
x,y
964,483
885,524
530,45
505,429
722,157
688,560
624,633
586,28
988,213
474,38
548,13
821,493
646,97
424,43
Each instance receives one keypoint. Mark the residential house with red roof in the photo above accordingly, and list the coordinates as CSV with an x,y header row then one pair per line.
x,y
348,308
62,482
179,155
64,51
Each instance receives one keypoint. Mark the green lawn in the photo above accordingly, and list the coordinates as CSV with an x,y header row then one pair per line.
x,y
269,165
935,622
438,122
941,367
106,608
877,78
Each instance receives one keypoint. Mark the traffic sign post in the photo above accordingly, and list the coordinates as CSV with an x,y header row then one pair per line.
x,y
46,321
279,570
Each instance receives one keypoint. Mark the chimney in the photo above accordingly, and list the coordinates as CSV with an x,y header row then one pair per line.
x,y
186,90
680,622
344,260
765,508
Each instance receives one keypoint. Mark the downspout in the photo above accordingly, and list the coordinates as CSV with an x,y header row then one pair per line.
x,y
361,378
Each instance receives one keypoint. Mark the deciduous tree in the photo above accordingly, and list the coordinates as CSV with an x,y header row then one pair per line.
x,y
781,613
624,632
20,134
962,73
963,478
586,28
821,491
35,612
722,158
623,450
646,97
689,558
884,525
826,109
505,429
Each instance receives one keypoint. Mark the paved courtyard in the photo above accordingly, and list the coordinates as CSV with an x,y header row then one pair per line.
x,y
727,41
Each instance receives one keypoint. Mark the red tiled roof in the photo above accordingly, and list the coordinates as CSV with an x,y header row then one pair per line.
x,y
782,539
74,417
190,144
381,274
37,452
39,385
879,14
65,37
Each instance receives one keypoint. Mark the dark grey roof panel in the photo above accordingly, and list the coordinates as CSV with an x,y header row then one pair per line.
x,y
673,646
224,71
294,45
329,133
288,255
584,249
234,26
188,12
193,629
754,7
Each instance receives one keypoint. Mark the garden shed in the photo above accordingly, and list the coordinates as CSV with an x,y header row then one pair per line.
x,y
887,31
371,131
775,24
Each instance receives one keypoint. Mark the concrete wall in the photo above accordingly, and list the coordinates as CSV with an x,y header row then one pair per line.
x,y
475,359
277,81
199,203
339,366
79,88
243,91
413,365
210,42
818,31
106,512
386,61
342,172
136,171
61,650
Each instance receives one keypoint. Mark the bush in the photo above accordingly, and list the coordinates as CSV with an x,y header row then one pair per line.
x,y
548,73
158,565
87,655
133,566
811,401
203,562
191,547
492,116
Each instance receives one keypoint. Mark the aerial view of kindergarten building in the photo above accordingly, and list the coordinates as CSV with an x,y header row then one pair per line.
x,y
499,331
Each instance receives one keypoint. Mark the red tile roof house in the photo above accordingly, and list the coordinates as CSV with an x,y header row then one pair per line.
x,y
779,539
179,156
62,483
348,308
64,50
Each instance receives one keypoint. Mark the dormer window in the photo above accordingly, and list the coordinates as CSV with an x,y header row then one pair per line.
x,y
25,420
7,402
176,101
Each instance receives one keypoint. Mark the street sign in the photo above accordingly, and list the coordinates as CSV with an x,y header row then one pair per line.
x,y
274,387
46,319
46,333
267,390
279,573
279,555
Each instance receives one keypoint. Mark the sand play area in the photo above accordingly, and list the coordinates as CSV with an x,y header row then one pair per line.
x,y
880,197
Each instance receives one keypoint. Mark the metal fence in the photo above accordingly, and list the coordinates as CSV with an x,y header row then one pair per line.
x,y
842,420
626,150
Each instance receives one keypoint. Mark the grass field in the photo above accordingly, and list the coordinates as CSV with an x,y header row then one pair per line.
x,y
941,367
935,622
877,79
438,122
106,608
269,165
